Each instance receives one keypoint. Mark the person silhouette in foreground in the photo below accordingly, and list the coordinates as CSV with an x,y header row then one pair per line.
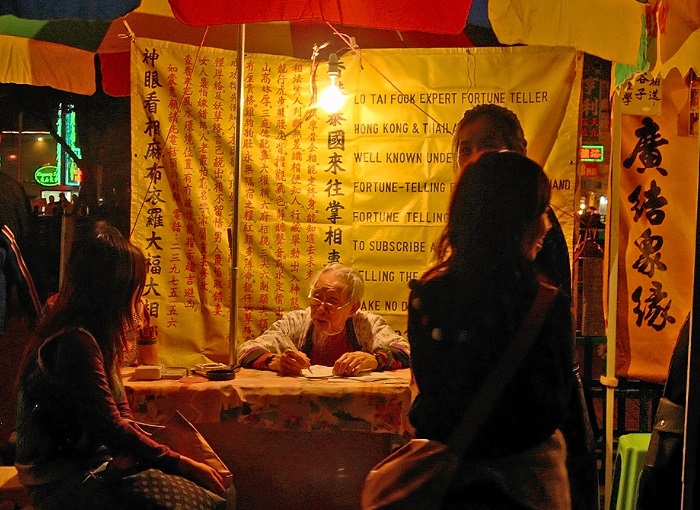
x,y
465,312
72,412
490,127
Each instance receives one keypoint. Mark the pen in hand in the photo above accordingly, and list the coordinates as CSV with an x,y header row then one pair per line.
x,y
306,361
295,361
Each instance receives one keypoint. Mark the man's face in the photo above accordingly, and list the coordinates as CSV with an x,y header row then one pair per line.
x,y
475,138
329,308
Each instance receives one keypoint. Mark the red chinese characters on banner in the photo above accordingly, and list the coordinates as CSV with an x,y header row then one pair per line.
x,y
152,152
220,253
249,211
280,237
193,93
176,226
281,203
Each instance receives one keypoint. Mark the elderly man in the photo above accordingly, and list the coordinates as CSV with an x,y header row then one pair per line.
x,y
332,331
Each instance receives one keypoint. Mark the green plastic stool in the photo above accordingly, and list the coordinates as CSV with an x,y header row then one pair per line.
x,y
631,449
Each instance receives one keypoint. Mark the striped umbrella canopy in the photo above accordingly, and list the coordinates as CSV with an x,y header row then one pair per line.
x,y
66,9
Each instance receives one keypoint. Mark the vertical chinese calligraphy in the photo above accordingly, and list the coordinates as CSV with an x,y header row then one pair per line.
x,y
653,308
642,95
657,216
183,150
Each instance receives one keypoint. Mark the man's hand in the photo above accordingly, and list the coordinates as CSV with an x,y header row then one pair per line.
x,y
290,362
352,363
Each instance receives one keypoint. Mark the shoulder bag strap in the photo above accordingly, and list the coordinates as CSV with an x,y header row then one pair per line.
x,y
490,393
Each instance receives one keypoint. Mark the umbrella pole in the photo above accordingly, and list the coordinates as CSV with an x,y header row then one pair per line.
x,y
233,313
19,147
612,245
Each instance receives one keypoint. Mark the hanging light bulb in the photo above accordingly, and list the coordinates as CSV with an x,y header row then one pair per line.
x,y
332,99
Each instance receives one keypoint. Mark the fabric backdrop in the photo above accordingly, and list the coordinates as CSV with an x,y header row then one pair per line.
x,y
368,186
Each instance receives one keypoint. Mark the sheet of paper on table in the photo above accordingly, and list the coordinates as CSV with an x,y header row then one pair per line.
x,y
323,372
317,372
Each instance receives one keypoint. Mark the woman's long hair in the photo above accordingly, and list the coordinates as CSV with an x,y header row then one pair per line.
x,y
105,274
496,203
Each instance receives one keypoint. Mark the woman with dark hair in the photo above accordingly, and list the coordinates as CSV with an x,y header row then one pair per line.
x,y
491,127
72,412
486,127
465,312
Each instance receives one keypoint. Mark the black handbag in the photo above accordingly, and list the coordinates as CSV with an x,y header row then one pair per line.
x,y
123,480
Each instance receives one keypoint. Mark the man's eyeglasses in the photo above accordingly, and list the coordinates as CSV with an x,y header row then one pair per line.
x,y
331,307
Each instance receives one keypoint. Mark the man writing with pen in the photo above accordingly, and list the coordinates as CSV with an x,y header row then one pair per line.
x,y
332,331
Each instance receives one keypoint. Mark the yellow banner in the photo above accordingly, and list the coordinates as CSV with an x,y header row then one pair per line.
x,y
368,186
657,203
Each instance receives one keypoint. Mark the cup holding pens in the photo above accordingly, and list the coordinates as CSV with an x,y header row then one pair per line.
x,y
147,346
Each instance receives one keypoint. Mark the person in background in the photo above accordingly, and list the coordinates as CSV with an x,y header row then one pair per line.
x,y
38,205
19,300
332,331
51,207
464,313
490,127
72,412
63,205
15,210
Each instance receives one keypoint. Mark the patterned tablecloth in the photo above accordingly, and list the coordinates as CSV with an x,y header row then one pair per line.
x,y
266,399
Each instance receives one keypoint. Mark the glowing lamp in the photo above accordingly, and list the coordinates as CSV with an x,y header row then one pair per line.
x,y
332,99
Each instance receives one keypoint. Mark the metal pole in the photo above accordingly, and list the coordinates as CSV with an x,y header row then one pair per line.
x,y
67,237
19,147
233,315
612,245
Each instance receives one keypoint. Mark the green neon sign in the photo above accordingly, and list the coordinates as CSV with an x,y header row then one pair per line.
x,y
592,153
66,128
47,175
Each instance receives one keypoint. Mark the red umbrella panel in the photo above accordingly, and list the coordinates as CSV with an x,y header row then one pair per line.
x,y
61,53
436,16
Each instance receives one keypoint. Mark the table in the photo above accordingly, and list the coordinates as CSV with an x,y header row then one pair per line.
x,y
266,399
290,442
